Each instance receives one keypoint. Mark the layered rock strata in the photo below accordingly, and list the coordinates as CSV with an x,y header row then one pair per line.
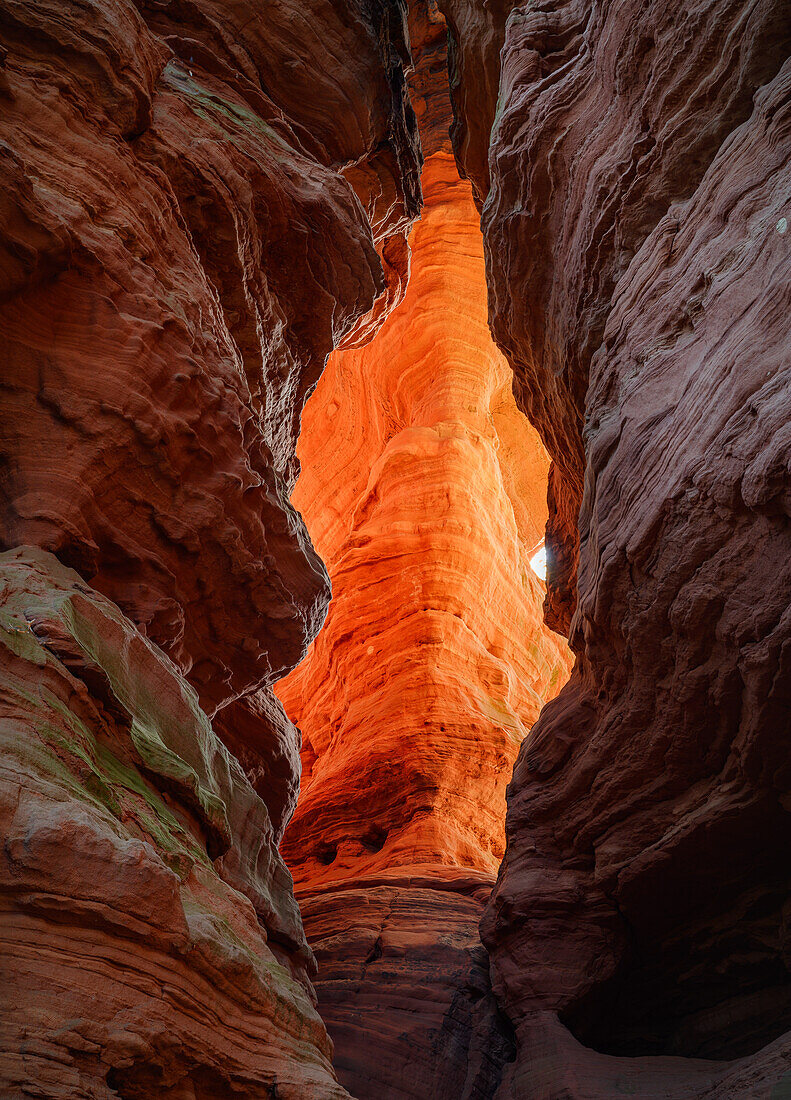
x,y
199,203
635,214
424,488
165,199
151,941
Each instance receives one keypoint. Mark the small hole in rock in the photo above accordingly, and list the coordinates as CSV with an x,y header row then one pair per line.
x,y
374,839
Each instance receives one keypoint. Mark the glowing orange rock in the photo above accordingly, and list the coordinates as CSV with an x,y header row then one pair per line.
x,y
424,489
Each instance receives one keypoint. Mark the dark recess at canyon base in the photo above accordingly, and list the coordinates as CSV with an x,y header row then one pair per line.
x,y
534,259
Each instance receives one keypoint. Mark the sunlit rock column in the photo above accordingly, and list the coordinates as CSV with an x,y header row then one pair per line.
x,y
424,490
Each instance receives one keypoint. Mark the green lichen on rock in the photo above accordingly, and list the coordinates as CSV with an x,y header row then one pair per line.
x,y
169,730
111,781
219,111
52,620
66,751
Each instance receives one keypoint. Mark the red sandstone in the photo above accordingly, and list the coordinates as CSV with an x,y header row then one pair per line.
x,y
201,202
424,488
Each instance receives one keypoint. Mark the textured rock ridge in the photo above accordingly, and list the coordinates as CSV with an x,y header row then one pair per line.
x,y
635,216
166,200
151,941
475,36
200,201
424,488
597,131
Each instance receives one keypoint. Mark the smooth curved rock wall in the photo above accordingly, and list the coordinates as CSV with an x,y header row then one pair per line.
x,y
151,941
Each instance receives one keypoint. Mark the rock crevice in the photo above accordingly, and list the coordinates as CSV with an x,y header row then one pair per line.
x,y
430,670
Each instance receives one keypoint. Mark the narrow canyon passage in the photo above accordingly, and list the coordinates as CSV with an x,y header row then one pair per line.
x,y
532,260
424,489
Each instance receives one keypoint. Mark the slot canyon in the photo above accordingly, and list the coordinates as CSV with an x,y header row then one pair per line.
x,y
323,325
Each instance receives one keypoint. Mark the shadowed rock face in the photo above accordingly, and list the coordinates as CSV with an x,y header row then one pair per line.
x,y
424,488
429,92
476,30
634,217
598,131
199,203
180,251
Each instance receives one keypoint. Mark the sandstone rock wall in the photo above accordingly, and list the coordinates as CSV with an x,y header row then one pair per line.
x,y
199,202
201,231
424,488
151,944
635,211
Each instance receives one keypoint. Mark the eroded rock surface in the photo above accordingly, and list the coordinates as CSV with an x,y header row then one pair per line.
x,y
200,201
181,249
424,488
635,216
151,944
